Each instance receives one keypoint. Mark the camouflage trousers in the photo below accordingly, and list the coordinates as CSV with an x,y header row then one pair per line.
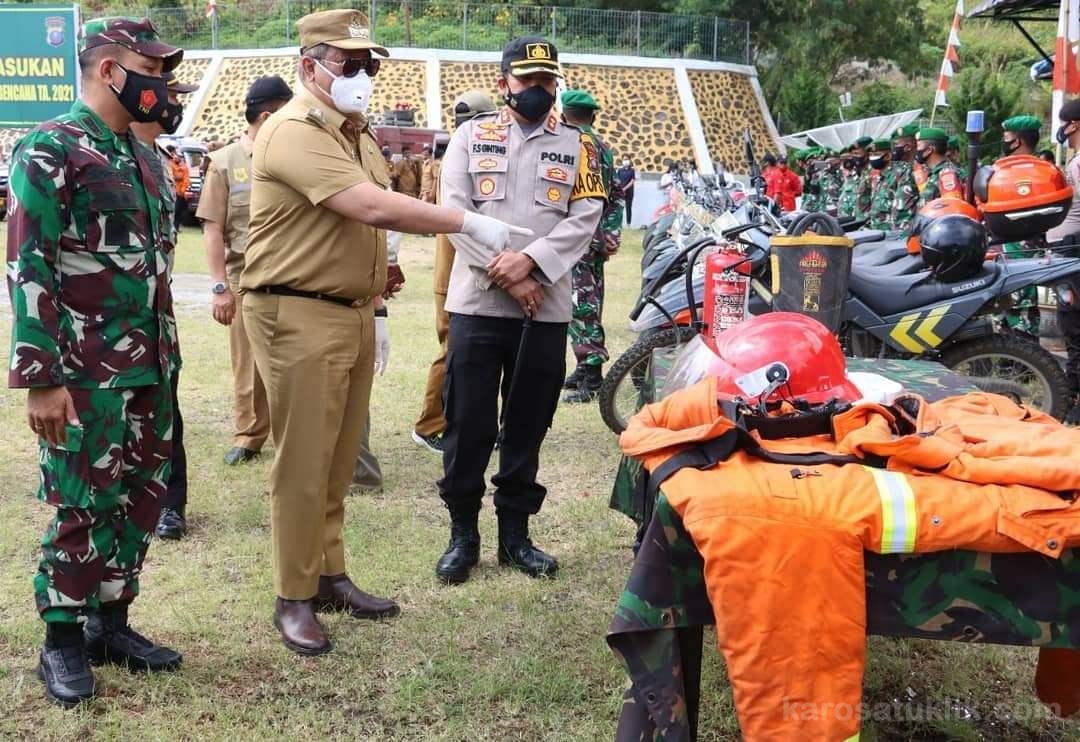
x,y
107,484
1023,315
586,332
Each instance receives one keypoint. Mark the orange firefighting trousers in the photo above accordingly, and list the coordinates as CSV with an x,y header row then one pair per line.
x,y
783,544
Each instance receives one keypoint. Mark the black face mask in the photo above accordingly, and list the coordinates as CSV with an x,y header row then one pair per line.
x,y
533,103
1007,147
922,155
1061,136
878,163
898,152
171,118
145,97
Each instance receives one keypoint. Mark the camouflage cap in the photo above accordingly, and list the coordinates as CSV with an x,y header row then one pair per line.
x,y
343,29
139,36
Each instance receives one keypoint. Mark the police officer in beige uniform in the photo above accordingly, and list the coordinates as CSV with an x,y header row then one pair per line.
x,y
315,267
509,310
224,208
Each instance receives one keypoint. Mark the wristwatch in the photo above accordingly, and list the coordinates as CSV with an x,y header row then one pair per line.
x,y
220,287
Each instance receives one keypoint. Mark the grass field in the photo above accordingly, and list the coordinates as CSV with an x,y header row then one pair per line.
x,y
502,657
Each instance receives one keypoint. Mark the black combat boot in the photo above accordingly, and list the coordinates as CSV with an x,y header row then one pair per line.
x,y
588,385
463,552
517,550
110,639
63,666
573,379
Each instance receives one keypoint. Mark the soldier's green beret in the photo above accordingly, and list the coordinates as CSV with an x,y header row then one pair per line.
x,y
864,142
907,131
579,99
1022,123
139,36
882,145
954,142
929,134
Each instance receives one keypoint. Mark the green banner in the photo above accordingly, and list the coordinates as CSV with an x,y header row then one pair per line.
x,y
38,67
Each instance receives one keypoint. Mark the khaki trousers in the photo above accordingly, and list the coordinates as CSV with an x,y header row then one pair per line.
x,y
317,360
251,411
432,421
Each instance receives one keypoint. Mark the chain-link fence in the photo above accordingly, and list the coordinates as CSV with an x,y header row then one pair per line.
x,y
452,24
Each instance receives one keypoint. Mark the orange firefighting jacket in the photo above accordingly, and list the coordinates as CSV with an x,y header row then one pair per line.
x,y
783,541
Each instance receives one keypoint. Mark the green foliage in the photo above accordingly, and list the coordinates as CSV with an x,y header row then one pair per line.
x,y
879,99
804,101
998,98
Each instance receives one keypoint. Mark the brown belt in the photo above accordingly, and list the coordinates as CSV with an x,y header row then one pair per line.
x,y
287,291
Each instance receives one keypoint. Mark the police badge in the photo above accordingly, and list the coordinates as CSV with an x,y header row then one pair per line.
x,y
54,30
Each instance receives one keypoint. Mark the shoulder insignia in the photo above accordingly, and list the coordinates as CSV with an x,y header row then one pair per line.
x,y
552,122
314,114
491,126
504,115
590,182
948,180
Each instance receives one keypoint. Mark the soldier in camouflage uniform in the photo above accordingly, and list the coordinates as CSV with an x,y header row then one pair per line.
x,y
94,341
585,330
854,198
812,199
904,188
1021,137
936,176
832,182
881,195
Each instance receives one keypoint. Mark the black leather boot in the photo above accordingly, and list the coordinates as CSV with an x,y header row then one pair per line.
x,y
517,550
572,380
592,378
63,666
110,639
462,553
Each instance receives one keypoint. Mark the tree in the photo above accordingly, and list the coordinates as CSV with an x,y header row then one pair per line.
x,y
997,97
804,102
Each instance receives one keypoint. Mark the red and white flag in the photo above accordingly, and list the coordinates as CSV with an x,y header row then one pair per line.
x,y
1066,72
211,8
952,57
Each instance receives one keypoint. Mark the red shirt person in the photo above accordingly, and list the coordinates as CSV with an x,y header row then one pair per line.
x,y
783,185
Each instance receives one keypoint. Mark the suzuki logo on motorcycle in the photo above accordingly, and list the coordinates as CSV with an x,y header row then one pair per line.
x,y
969,286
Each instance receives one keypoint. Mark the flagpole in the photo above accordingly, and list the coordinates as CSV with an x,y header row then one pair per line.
x,y
950,59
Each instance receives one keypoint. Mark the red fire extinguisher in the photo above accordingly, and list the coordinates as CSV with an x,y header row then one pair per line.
x,y
727,289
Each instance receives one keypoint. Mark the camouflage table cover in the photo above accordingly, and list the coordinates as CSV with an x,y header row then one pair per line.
x,y
1022,599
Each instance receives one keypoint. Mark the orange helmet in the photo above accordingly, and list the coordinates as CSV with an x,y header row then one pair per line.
x,y
1022,196
781,356
934,209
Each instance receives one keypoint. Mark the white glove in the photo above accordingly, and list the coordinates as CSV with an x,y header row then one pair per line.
x,y
382,345
489,231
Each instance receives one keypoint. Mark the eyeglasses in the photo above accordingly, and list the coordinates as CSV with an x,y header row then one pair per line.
x,y
351,67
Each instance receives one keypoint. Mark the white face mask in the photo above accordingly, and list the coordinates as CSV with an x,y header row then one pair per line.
x,y
350,94
626,163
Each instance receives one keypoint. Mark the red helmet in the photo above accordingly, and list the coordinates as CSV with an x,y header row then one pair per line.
x,y
782,356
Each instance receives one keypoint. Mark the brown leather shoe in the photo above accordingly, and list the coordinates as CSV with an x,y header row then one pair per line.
x,y
300,629
338,593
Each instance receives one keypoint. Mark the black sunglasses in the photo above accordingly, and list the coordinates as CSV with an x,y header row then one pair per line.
x,y
351,67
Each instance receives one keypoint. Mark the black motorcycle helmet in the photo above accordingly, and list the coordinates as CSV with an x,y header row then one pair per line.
x,y
953,247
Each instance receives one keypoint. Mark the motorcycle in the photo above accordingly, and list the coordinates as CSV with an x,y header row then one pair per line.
x,y
894,309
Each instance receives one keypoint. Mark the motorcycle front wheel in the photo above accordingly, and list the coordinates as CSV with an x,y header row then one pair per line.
x,y
628,386
1013,366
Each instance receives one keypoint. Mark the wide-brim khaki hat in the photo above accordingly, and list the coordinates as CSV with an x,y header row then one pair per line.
x,y
344,29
